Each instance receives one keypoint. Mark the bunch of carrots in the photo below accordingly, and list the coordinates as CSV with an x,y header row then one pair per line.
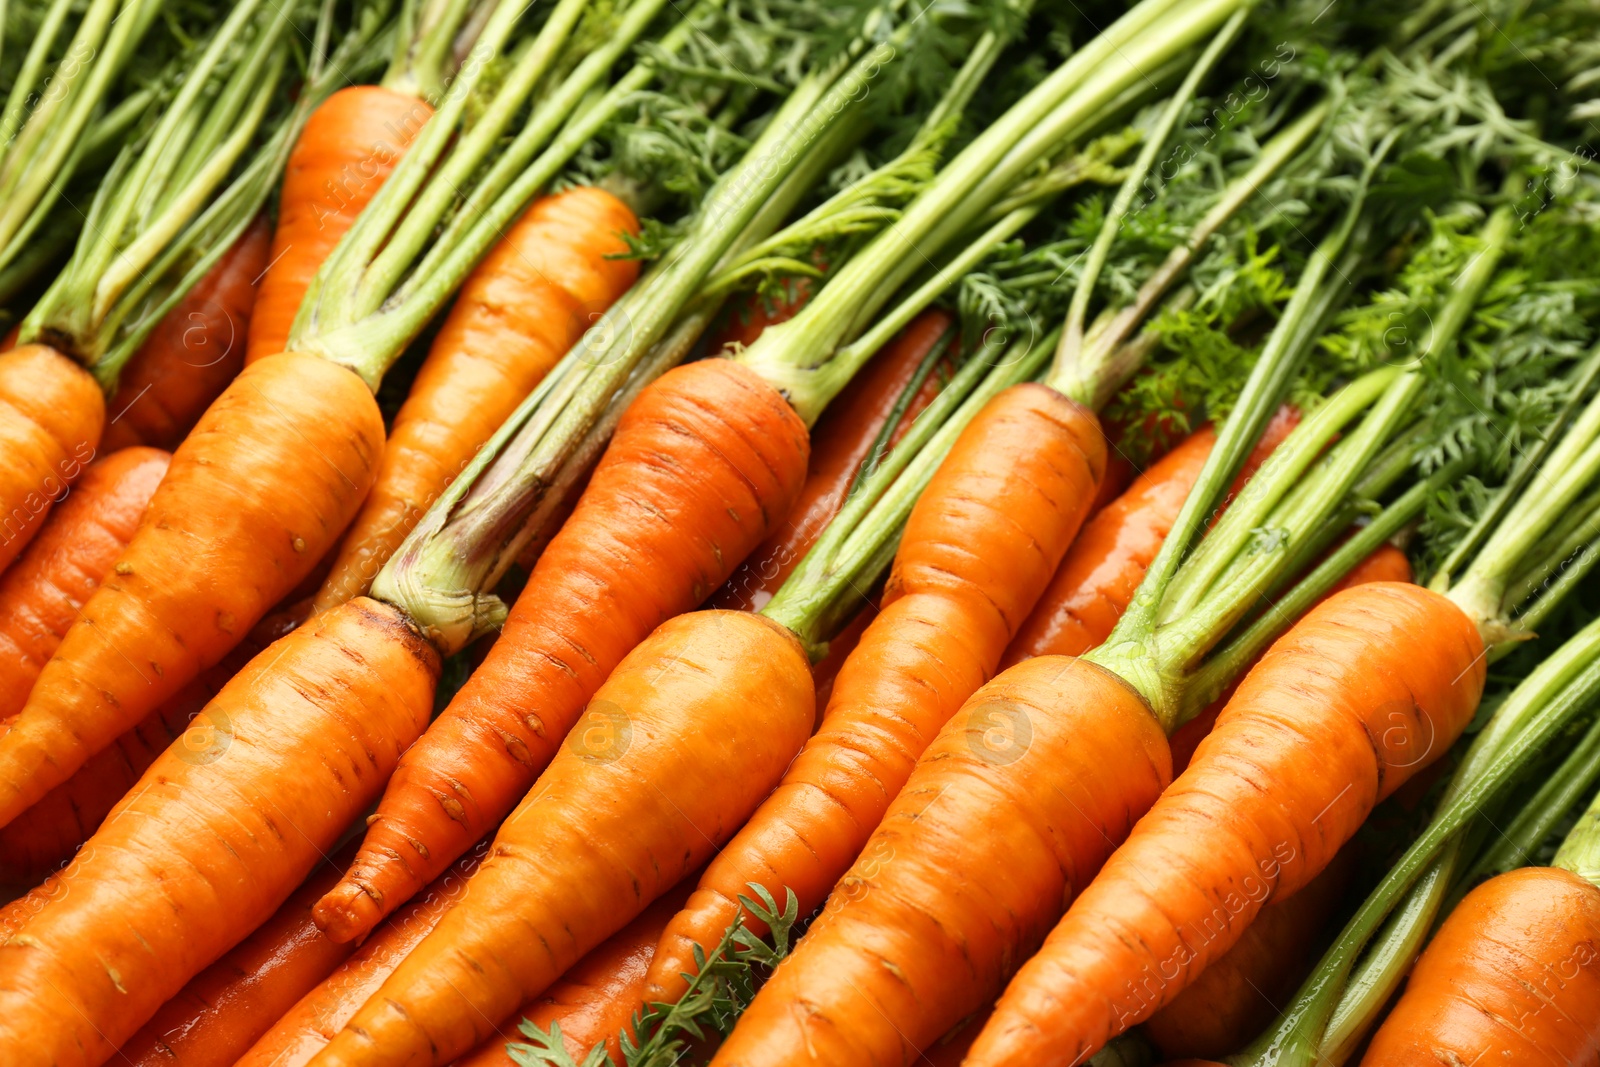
x,y
769,535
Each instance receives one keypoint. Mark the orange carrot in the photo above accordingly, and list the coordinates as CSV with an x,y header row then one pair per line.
x,y
304,1029
708,710
220,831
991,525
193,354
51,415
41,593
1513,976
1371,685
225,1007
704,464
841,440
212,555
350,145
529,301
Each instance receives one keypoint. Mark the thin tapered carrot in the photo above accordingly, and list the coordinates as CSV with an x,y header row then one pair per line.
x,y
1513,976
591,1002
350,145
992,524
530,300
51,415
709,710
224,1008
301,1031
219,832
42,592
193,354
313,432
842,442
703,466
1394,673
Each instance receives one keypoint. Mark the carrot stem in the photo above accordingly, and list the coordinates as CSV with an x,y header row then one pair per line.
x,y
1580,852
423,41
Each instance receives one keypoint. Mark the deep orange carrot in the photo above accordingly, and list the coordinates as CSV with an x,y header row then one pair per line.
x,y
350,145
41,593
993,522
1371,685
529,301
708,711
218,833
214,553
193,354
704,464
224,1008
1513,976
305,1028
841,442
51,416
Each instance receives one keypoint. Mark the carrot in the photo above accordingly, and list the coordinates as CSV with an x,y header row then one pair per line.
x,y
1512,976
218,834
51,415
745,319
1105,565
520,310
350,145
193,354
708,710
236,547
994,521
843,440
41,593
1245,989
225,1007
1336,716
704,464
591,1001
302,1031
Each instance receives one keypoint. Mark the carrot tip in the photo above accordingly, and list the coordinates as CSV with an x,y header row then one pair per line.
x,y
347,912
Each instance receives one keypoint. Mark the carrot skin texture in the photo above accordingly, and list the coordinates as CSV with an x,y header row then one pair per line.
x,y
41,593
985,534
704,463
225,1007
253,498
708,711
194,353
216,838
1364,690
350,145
1512,977
51,415
841,442
302,1031
517,314
967,871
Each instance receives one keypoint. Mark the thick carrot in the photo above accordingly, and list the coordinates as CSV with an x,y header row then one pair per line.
x,y
704,464
212,555
220,831
1371,685
302,1031
1108,561
41,593
224,1008
958,881
51,416
1513,976
708,711
841,442
1386,564
994,521
518,312
591,1002
193,354
350,145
